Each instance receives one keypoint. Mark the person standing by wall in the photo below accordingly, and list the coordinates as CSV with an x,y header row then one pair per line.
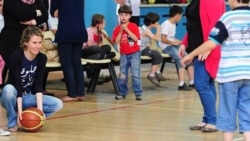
x,y
135,6
201,17
70,35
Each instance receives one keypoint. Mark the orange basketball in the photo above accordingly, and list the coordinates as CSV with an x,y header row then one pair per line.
x,y
32,119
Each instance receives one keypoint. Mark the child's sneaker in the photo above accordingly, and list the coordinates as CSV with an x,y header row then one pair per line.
x,y
160,77
118,97
138,98
191,86
153,80
184,87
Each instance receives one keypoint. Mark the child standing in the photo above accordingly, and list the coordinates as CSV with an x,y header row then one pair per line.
x,y
127,35
170,45
151,21
233,76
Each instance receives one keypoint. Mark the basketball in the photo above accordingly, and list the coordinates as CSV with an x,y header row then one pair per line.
x,y
32,119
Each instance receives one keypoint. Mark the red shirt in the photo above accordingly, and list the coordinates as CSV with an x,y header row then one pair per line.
x,y
211,11
127,45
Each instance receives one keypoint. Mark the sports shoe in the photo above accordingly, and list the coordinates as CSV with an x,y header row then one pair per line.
x,y
184,87
118,97
153,80
138,98
160,77
191,86
106,78
4,133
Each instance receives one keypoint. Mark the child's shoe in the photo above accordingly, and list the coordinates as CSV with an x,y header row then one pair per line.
x,y
138,98
184,87
153,80
160,77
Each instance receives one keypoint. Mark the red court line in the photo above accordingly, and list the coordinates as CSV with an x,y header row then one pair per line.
x,y
116,108
122,107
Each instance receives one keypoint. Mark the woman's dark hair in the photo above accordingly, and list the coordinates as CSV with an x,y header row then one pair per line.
x,y
151,18
28,32
97,19
174,10
125,9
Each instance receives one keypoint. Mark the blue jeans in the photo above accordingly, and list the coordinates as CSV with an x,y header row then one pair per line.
x,y
234,99
204,85
173,52
70,59
132,62
9,103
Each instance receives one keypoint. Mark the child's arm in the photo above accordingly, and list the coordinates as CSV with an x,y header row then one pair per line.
x,y
117,34
89,43
118,37
155,36
206,46
174,41
130,33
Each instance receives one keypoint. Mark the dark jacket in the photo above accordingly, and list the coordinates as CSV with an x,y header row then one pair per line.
x,y
16,61
15,11
71,26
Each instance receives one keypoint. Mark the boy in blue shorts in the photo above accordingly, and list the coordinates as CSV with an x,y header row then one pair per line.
x,y
170,45
233,76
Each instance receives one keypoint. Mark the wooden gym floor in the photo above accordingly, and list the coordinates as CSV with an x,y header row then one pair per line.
x,y
164,114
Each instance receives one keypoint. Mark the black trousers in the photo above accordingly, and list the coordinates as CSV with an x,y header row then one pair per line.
x,y
95,53
154,54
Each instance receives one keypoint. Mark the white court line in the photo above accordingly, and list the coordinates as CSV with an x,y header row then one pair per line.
x,y
238,139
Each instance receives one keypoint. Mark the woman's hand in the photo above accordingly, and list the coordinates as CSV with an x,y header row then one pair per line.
x,y
38,13
19,117
41,109
56,13
44,116
30,22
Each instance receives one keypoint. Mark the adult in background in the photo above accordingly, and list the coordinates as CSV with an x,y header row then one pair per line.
x,y
135,6
1,16
18,14
70,35
201,17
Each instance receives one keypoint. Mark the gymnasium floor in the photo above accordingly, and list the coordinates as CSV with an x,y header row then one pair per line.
x,y
164,114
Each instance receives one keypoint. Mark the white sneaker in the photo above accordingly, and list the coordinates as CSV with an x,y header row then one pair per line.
x,y
4,133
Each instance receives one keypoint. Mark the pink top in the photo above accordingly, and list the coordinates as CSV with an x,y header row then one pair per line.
x,y
93,38
211,11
